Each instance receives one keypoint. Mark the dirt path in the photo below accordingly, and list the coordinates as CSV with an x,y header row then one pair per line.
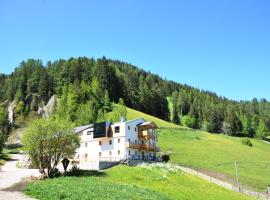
x,y
11,175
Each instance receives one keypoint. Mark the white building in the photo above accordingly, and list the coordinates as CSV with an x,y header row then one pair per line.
x,y
125,140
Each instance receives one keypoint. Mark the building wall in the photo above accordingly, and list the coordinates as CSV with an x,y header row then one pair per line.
x,y
92,150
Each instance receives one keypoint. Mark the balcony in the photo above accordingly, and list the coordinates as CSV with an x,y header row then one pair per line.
x,y
145,147
147,134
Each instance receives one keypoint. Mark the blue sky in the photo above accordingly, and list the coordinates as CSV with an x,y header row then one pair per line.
x,y
222,46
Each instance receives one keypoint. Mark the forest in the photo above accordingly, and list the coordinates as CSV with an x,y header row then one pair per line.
x,y
87,89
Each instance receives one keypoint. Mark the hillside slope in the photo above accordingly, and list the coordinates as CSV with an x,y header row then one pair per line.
x,y
134,114
215,154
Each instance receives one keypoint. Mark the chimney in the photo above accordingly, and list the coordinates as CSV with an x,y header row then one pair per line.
x,y
123,119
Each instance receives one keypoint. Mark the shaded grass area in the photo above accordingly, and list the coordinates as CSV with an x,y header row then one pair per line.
x,y
3,158
123,182
216,153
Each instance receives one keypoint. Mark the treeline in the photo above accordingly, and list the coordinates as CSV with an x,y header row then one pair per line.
x,y
204,110
74,81
32,84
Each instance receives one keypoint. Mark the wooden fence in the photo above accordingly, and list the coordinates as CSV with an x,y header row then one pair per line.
x,y
224,184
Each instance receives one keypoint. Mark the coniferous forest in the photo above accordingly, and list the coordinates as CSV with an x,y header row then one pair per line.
x,y
87,87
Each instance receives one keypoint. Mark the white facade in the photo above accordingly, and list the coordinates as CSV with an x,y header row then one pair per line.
x,y
123,141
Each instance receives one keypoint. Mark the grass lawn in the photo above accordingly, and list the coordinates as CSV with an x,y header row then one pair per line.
x,y
123,182
216,153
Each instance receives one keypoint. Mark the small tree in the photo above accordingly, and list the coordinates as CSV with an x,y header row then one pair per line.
x,y
3,127
189,121
48,142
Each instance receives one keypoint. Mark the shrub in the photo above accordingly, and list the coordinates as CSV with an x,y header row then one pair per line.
x,y
165,158
189,121
246,141
54,173
74,171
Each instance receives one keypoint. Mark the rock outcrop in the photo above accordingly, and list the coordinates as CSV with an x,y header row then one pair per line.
x,y
48,109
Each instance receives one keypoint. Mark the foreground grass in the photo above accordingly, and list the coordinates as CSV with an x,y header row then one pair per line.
x,y
216,153
123,182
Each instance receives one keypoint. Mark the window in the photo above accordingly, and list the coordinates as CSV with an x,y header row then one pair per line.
x,y
135,141
129,140
89,132
129,152
135,153
100,143
117,129
99,154
142,141
110,153
86,144
118,140
128,127
118,152
135,129
110,142
85,156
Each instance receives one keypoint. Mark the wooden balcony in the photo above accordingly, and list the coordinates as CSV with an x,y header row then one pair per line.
x,y
146,134
145,147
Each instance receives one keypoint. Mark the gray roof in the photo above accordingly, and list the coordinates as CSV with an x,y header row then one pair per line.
x,y
145,123
133,120
81,128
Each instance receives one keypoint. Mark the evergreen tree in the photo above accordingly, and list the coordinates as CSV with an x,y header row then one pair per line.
x,y
176,118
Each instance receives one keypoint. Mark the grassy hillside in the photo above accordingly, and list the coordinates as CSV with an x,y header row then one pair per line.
x,y
123,182
214,154
134,114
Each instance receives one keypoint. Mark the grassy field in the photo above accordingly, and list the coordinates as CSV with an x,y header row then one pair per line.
x,y
123,182
215,153
134,114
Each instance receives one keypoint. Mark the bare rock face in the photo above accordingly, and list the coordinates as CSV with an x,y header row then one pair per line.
x,y
11,112
48,109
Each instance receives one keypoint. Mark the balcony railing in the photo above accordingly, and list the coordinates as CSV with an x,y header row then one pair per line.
x,y
147,134
144,158
142,146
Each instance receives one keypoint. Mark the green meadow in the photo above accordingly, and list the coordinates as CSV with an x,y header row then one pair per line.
x,y
214,153
135,183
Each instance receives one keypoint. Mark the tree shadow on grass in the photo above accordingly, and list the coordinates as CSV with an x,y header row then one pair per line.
x,y
81,172
6,157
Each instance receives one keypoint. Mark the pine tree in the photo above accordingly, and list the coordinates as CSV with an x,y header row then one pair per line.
x,y
176,118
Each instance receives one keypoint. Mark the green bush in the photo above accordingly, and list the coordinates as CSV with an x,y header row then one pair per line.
x,y
165,158
189,121
246,141
55,173
74,171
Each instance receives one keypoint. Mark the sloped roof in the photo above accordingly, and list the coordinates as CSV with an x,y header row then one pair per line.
x,y
81,128
148,123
